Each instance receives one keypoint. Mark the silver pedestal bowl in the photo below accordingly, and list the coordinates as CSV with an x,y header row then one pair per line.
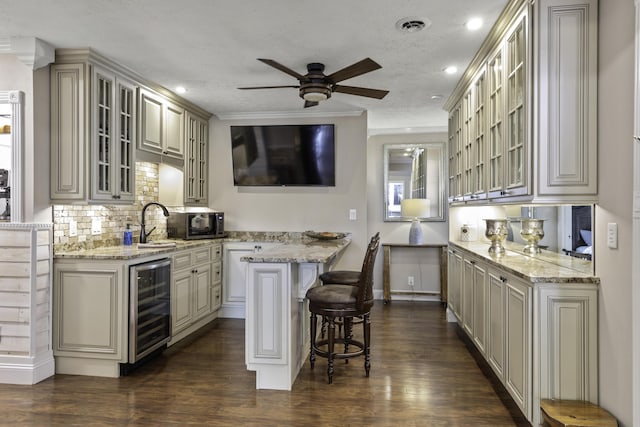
x,y
496,232
532,231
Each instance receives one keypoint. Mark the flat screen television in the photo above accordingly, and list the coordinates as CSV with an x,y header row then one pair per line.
x,y
283,155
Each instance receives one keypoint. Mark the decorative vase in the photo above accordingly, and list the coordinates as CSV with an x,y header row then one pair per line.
x,y
496,232
532,231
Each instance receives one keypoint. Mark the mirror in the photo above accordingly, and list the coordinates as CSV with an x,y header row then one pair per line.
x,y
11,142
414,171
567,229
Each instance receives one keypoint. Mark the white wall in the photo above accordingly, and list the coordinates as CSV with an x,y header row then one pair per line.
x,y
397,232
615,144
297,208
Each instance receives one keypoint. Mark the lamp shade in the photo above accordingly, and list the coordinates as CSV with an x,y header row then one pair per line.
x,y
415,208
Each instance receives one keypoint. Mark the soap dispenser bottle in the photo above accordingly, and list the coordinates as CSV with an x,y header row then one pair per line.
x,y
127,240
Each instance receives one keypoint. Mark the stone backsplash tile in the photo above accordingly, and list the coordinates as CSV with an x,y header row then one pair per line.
x,y
114,218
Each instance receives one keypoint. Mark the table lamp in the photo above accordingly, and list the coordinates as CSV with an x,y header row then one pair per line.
x,y
416,209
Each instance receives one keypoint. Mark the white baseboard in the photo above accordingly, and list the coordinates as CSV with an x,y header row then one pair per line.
x,y
26,370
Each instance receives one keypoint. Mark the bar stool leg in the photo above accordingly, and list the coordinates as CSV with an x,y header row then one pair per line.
x,y
348,334
312,353
367,342
330,351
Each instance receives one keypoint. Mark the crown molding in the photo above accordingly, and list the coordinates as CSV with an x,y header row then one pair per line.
x,y
31,51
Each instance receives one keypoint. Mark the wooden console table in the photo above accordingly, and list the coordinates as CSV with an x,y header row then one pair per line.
x,y
386,273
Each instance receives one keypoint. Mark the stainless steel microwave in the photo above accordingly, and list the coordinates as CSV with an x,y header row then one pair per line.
x,y
195,225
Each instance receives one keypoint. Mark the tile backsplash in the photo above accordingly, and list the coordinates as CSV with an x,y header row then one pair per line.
x,y
114,218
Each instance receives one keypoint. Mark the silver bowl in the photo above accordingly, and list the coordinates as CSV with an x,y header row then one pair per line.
x,y
496,232
532,231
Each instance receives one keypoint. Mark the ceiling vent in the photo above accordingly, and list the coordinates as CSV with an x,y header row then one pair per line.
x,y
412,24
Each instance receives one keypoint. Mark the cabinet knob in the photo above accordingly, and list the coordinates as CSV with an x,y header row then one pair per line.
x,y
474,197
502,278
504,193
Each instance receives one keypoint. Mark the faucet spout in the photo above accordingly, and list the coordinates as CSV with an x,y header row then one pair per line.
x,y
143,233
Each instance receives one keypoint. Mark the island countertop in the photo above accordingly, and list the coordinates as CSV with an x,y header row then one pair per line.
x,y
314,251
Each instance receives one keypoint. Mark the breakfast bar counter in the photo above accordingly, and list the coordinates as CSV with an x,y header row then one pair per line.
x,y
277,318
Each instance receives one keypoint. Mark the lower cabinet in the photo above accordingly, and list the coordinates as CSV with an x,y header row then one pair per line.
x,y
192,287
234,276
90,314
454,275
539,338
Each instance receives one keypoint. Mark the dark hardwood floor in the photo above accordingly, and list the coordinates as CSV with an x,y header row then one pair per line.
x,y
421,375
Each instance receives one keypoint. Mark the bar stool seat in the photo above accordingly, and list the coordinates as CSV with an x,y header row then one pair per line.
x,y
342,303
575,413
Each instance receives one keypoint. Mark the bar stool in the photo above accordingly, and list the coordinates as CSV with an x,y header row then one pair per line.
x,y
343,302
343,277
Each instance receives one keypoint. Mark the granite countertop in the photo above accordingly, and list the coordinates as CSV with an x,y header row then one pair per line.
x,y
294,247
546,267
128,252
317,251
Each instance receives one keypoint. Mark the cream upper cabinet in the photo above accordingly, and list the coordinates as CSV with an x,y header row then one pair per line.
x,y
113,138
529,130
93,119
195,160
161,125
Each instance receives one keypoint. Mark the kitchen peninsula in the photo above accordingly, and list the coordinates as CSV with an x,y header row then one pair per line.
x,y
92,298
277,318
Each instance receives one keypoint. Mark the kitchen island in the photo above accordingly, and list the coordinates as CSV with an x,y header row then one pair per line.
x,y
277,318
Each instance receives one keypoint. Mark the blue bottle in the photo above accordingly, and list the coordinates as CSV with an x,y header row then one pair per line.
x,y
127,240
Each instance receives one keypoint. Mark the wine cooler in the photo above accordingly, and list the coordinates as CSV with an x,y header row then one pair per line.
x,y
150,308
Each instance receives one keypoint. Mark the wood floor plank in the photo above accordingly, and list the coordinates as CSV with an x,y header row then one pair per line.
x,y
421,375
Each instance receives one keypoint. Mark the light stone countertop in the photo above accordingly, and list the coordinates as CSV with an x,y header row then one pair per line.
x,y
316,251
129,252
295,247
546,267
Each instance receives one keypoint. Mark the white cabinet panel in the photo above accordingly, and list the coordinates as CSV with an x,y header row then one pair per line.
x,y
517,374
496,326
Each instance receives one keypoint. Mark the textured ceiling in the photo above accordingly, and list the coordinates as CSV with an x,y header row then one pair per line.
x,y
211,46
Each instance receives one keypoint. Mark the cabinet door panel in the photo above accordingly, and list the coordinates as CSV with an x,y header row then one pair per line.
x,y
174,135
151,122
182,311
235,274
202,291
495,311
467,297
480,307
518,339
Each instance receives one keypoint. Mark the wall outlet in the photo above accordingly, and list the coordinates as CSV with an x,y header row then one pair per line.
x,y
353,215
410,281
73,228
96,226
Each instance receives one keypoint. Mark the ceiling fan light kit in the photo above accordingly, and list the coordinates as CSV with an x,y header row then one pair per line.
x,y
315,86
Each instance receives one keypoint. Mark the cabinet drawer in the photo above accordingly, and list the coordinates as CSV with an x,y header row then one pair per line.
x,y
217,272
217,252
182,260
202,255
216,297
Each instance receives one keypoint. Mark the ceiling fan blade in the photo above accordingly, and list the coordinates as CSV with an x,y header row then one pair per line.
x,y
282,68
308,104
364,66
361,91
268,87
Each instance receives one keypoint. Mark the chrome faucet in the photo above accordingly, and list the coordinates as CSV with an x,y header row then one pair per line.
x,y
143,233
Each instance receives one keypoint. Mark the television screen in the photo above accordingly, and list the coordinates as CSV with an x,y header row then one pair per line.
x,y
300,155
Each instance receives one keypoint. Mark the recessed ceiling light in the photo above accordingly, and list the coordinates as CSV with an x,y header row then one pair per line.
x,y
473,24
412,24
452,69
437,97
181,89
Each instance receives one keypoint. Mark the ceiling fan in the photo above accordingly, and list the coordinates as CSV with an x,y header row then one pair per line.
x,y
315,86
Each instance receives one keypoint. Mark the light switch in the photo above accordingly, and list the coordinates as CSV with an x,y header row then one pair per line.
x,y
73,228
96,226
353,215
612,235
